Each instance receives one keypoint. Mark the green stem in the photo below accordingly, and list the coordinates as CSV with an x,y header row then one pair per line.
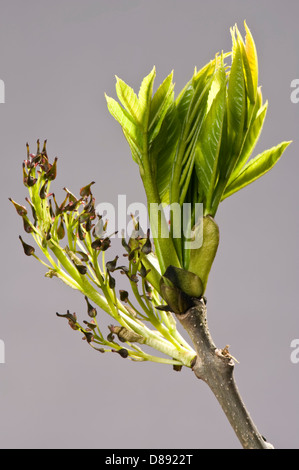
x,y
165,249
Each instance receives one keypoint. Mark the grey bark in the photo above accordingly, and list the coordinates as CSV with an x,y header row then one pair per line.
x,y
215,367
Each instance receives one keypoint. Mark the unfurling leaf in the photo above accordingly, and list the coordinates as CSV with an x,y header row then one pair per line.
x,y
201,259
256,168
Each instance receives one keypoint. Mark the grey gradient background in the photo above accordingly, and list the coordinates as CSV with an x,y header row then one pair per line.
x,y
57,58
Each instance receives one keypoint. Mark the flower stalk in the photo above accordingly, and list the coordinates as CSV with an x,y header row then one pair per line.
x,y
78,264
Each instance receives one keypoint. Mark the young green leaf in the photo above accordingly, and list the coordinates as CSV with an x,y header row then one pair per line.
x,y
162,151
162,100
251,55
145,96
191,106
206,160
251,139
129,100
236,102
131,130
255,168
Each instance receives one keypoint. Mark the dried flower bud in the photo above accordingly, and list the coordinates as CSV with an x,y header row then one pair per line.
x,y
90,309
52,214
110,337
62,205
89,207
28,250
42,192
133,278
21,210
25,175
125,244
111,265
92,326
123,269
81,233
27,226
133,253
111,281
35,159
84,256
30,180
44,164
57,208
60,230
124,295
88,335
71,206
81,268
72,198
48,234
88,224
123,352
68,315
32,210
106,243
52,172
97,244
85,191
147,247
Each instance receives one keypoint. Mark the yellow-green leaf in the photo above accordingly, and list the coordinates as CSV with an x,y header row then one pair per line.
x,y
206,159
256,168
251,56
128,98
130,129
162,99
145,96
251,139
